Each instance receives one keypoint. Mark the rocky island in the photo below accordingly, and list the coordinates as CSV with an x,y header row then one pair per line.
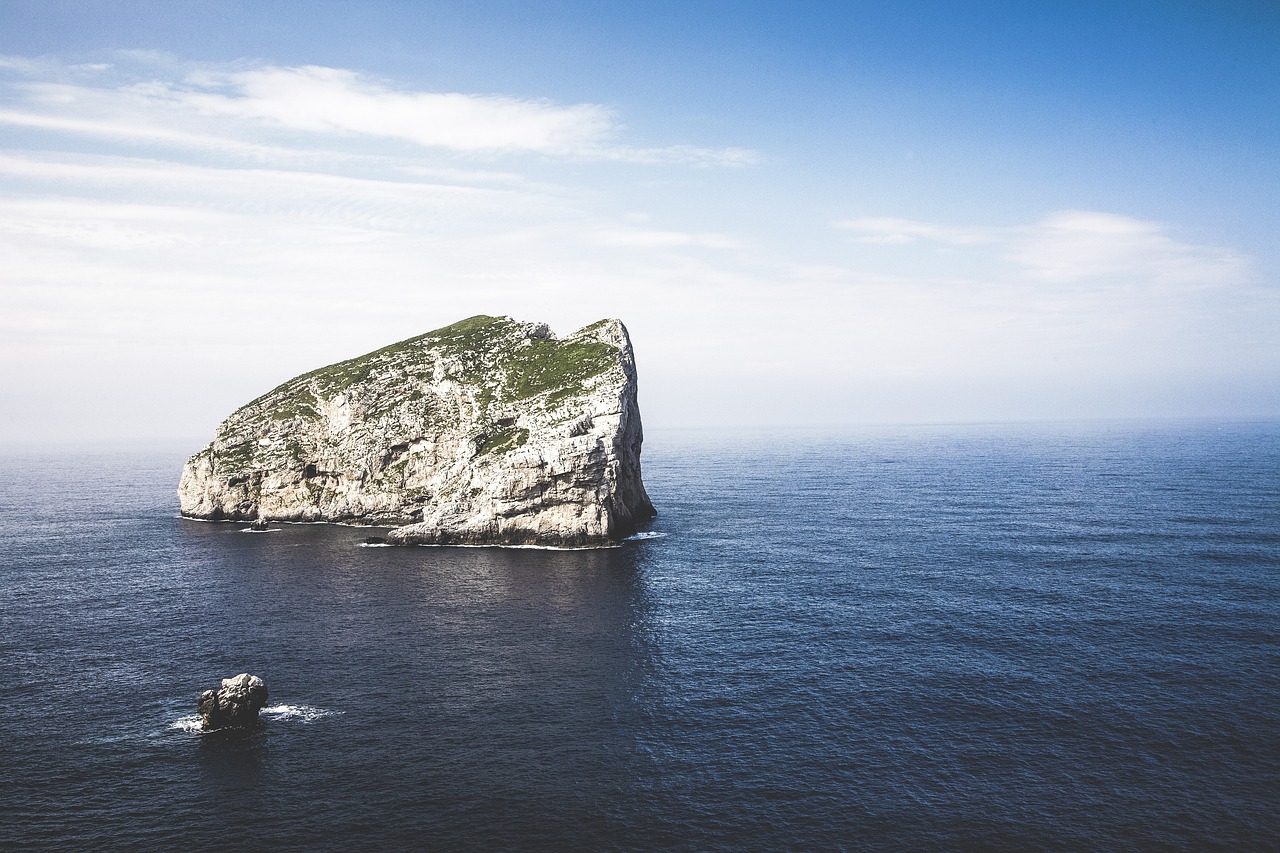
x,y
486,432
235,705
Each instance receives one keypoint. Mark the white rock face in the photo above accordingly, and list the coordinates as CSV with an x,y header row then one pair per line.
x,y
489,431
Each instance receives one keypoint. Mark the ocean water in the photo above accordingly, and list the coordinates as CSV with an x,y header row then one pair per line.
x,y
1049,637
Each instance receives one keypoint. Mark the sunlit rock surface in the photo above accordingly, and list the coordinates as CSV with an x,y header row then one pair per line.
x,y
486,432
235,705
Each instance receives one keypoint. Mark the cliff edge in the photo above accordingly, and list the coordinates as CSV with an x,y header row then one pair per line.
x,y
486,432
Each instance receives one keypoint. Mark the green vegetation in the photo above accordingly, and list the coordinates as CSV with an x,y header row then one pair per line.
x,y
495,355
337,378
598,324
389,404
502,441
473,336
301,404
238,457
558,367
485,345
466,335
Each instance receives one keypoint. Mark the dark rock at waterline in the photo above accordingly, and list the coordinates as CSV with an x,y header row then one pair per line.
x,y
236,705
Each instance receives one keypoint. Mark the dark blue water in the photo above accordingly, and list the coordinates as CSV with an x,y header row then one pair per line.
x,y
1003,638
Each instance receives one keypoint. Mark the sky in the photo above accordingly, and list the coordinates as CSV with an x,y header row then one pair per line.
x,y
805,213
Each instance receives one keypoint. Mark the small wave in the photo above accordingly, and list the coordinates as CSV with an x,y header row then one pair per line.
x,y
363,526
374,545
191,724
302,713
517,547
268,530
540,547
648,534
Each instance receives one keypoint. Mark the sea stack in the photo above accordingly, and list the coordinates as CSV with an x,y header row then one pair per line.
x,y
235,706
486,432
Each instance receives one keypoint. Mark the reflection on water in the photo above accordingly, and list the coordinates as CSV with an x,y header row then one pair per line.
x,y
232,761
944,638
476,681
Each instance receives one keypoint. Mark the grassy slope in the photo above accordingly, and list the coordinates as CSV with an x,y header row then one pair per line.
x,y
496,357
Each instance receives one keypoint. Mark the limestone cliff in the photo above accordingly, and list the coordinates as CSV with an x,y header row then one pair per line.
x,y
489,431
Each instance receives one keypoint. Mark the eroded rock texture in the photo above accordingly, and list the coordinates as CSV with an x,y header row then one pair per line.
x,y
489,431
235,705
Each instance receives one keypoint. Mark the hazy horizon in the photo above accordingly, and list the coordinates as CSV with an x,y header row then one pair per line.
x,y
818,214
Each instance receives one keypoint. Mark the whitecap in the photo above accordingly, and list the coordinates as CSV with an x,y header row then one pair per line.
x,y
193,724
190,724
526,547
268,530
648,534
302,713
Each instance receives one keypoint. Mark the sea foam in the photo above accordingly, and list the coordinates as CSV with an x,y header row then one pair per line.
x,y
302,713
192,724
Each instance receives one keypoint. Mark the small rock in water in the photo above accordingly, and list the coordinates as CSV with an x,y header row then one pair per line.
x,y
236,705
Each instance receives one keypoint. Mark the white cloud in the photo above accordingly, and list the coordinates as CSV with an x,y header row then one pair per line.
x,y
651,239
139,253
690,155
237,109
1069,246
887,230
328,100
116,227
112,126
1074,246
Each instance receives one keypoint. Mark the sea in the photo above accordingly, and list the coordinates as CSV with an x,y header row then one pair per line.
x,y
974,637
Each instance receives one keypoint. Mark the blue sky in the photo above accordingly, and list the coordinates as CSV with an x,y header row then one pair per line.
x,y
805,212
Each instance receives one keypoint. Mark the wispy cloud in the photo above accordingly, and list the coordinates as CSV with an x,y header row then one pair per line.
x,y
1069,246
1079,245
652,239
335,100
887,230
237,108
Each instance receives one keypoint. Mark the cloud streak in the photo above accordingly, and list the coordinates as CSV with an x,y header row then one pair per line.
x,y
1067,247
335,100
227,107
1074,246
891,231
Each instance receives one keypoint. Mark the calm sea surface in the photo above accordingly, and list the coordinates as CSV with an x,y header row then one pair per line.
x,y
999,638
